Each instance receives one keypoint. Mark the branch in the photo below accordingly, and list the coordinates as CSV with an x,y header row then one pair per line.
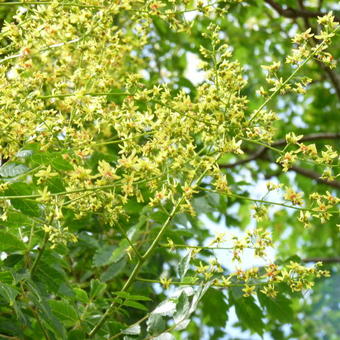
x,y
148,252
330,73
314,175
322,259
311,137
261,151
261,154
294,13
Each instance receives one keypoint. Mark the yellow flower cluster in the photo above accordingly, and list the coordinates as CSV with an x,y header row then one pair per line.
x,y
74,86
264,279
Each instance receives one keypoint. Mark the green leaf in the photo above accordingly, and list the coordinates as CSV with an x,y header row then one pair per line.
x,y
119,252
53,279
132,330
183,265
103,255
113,270
81,295
134,304
182,308
75,334
8,292
24,153
10,243
128,296
13,259
279,307
249,313
6,277
64,311
13,169
44,310
55,159
212,301
199,295
15,218
97,288
165,308
27,206
155,324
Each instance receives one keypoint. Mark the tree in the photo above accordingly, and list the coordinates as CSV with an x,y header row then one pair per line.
x,y
116,164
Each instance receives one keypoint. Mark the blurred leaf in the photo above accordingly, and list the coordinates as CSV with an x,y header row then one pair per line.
x,y
10,243
97,288
135,304
249,313
155,324
133,330
213,301
64,311
8,292
13,169
278,308
6,277
165,308
183,265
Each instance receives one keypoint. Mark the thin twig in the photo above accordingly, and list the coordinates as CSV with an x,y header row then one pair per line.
x,y
290,12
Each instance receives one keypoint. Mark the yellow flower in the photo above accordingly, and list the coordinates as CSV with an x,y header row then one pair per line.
x,y
291,138
106,170
165,282
248,290
45,174
294,197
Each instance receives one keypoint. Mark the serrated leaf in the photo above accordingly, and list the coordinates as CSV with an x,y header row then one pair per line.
x,y
279,307
81,295
24,153
8,292
6,277
26,206
119,252
166,308
13,169
128,296
10,243
214,300
64,311
132,330
51,277
155,324
198,296
183,265
55,159
44,310
249,313
113,270
134,304
102,256
182,308
97,288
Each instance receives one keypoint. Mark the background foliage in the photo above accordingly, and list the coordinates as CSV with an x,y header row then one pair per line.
x,y
79,92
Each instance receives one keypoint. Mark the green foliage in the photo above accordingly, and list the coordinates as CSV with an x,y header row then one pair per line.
x,y
130,130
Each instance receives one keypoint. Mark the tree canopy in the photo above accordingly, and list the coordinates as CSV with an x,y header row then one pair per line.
x,y
169,169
